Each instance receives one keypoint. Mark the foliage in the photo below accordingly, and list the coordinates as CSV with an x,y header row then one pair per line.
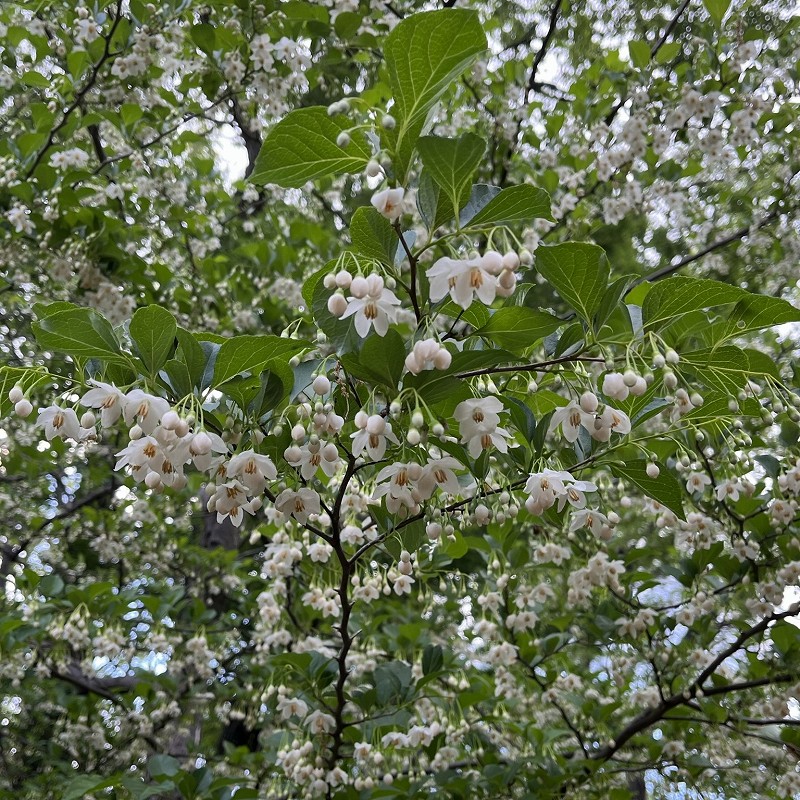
x,y
399,399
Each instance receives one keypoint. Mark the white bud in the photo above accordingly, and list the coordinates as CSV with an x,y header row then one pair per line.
x,y
321,385
373,169
88,420
298,433
23,408
337,305
652,470
16,394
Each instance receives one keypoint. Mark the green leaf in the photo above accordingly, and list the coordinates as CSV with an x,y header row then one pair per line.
x,y
452,163
667,52
373,236
424,55
432,658
717,9
79,332
205,37
665,488
434,207
191,353
392,681
381,359
679,295
251,354
518,327
81,785
579,273
514,204
161,766
302,147
755,312
640,53
153,331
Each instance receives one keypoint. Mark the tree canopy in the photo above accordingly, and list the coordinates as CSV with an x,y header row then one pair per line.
x,y
399,399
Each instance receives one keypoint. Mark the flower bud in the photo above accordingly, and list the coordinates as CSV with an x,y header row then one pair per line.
x,y
337,305
16,394
321,385
23,408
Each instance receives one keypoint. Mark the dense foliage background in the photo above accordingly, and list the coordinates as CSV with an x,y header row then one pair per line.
x,y
516,516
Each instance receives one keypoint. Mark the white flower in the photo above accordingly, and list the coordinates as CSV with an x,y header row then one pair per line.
x,y
400,489
478,419
372,304
252,469
59,422
389,203
145,409
428,354
614,386
292,706
402,585
319,722
231,500
546,487
462,280
373,437
612,420
697,482
439,472
108,399
299,504
310,457
572,418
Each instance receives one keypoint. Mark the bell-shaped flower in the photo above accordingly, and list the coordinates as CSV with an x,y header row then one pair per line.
x,y
572,418
463,280
108,399
373,435
612,420
144,409
300,504
252,469
389,203
372,305
59,423
438,473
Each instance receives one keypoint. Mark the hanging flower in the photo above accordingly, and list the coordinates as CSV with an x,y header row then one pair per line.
x,y
372,304
252,469
373,437
108,399
300,504
389,203
59,423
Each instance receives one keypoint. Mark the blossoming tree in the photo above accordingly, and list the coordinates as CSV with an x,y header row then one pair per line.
x,y
399,399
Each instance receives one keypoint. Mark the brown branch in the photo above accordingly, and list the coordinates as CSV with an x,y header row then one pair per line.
x,y
542,51
106,55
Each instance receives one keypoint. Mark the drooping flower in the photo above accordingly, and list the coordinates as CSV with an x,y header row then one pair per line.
x,y
108,399
612,420
300,504
438,472
462,280
145,409
59,422
397,483
428,354
252,469
389,203
572,418
373,435
231,500
372,304
478,419
310,457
